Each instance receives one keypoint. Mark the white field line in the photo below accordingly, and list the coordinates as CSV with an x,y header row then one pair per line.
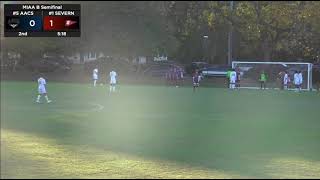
x,y
97,107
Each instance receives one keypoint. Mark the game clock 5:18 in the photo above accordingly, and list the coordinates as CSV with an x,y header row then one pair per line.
x,y
61,34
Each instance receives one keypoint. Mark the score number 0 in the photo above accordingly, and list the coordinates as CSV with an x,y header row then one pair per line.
x,y
32,23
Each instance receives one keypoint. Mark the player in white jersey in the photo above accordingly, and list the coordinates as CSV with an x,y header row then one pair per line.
x,y
113,81
95,76
286,80
300,79
296,80
233,78
42,90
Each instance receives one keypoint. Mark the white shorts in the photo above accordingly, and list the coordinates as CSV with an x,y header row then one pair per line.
x,y
113,81
42,90
95,77
232,81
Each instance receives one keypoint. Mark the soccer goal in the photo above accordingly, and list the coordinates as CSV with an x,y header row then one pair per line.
x,y
250,73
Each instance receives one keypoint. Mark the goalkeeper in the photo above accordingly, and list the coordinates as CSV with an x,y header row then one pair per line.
x,y
228,78
263,79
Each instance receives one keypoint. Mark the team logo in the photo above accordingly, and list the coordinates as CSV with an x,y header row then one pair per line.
x,y
14,22
69,23
15,13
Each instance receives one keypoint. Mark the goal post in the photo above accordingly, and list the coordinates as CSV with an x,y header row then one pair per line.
x,y
250,73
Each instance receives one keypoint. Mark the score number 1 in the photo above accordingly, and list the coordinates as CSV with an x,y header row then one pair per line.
x,y
53,23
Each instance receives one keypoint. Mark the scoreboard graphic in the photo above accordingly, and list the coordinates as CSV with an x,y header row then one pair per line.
x,y
42,20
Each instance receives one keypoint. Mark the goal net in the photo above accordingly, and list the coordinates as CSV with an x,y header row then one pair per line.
x,y
250,73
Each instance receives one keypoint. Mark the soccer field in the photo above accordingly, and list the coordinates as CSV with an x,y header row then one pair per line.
x,y
158,132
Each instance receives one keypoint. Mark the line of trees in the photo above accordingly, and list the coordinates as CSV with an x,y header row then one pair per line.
x,y
262,30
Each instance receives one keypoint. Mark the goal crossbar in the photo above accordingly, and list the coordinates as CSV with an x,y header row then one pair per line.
x,y
251,62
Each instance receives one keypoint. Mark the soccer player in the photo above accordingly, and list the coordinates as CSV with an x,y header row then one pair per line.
x,y
181,76
42,89
95,76
196,80
228,78
238,78
171,76
300,80
233,78
113,81
296,80
168,78
281,79
175,76
286,80
263,79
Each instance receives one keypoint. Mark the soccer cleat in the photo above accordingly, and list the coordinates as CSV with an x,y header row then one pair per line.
x,y
49,101
37,101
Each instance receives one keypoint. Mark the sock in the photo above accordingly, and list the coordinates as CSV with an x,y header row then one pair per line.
x,y
38,98
47,98
114,88
94,83
110,88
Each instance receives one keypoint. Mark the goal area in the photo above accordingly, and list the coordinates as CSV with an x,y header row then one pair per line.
x,y
250,73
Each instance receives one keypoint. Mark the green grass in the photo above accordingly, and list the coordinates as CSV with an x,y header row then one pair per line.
x,y
158,132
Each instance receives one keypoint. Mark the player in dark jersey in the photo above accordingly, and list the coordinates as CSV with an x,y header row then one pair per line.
x,y
171,75
167,78
238,78
196,80
175,76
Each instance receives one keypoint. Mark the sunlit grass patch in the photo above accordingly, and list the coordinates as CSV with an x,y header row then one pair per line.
x,y
293,168
85,162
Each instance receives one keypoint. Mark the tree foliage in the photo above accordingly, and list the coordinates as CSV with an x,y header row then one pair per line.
x,y
262,30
